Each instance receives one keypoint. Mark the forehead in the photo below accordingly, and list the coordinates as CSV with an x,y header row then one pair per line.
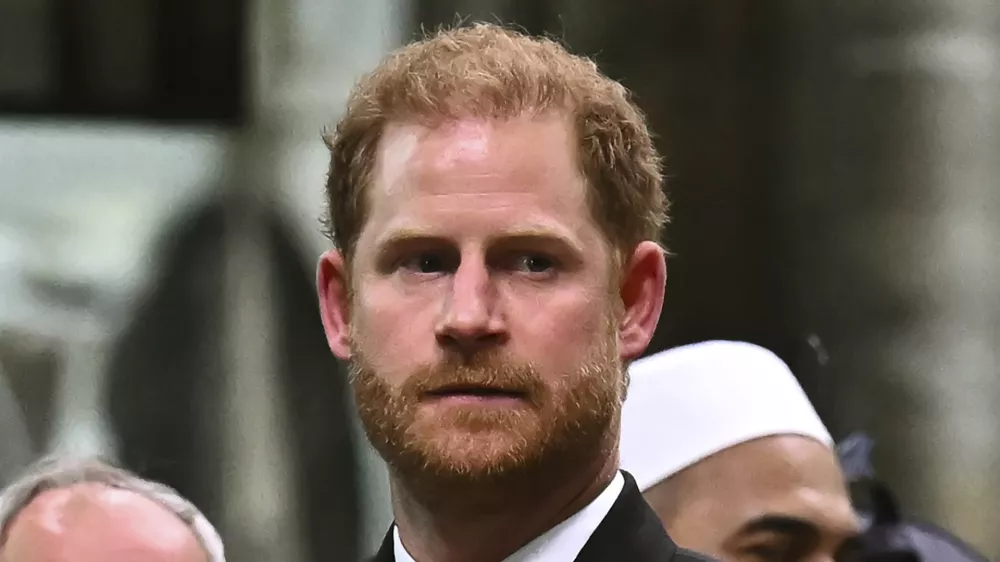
x,y
525,165
529,144
784,475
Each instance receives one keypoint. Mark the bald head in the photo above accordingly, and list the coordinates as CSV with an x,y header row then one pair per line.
x,y
65,509
90,522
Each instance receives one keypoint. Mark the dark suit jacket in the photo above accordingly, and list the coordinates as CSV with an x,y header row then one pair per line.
x,y
631,532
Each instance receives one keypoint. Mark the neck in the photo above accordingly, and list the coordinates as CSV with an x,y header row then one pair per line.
x,y
488,523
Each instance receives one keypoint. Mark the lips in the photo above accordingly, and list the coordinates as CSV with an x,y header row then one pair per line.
x,y
476,391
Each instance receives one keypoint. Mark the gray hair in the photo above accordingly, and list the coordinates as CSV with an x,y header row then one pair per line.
x,y
60,472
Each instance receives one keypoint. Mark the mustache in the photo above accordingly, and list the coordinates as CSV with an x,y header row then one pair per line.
x,y
490,371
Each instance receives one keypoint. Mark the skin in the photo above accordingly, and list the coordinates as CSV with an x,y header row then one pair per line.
x,y
93,523
774,499
480,262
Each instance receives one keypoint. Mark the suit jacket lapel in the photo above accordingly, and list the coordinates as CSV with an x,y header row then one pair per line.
x,y
385,552
631,531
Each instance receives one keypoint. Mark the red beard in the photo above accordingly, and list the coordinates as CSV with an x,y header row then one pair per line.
x,y
552,426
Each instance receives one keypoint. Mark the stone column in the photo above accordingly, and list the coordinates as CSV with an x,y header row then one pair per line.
x,y
891,209
304,56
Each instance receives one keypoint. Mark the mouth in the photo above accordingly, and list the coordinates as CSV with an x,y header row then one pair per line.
x,y
476,393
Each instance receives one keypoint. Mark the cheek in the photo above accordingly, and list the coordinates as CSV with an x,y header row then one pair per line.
x,y
393,332
561,328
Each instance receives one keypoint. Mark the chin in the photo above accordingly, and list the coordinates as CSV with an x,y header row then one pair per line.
x,y
478,454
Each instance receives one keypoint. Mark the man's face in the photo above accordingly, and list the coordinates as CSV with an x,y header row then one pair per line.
x,y
775,499
484,320
92,523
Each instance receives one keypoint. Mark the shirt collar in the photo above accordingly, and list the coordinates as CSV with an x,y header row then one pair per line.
x,y
560,543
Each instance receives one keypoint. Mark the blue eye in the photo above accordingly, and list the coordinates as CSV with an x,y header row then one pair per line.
x,y
536,264
425,263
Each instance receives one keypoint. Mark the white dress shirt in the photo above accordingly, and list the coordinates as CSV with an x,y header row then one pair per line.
x,y
561,543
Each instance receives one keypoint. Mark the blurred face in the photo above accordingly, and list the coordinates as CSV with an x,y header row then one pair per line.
x,y
92,523
775,499
483,322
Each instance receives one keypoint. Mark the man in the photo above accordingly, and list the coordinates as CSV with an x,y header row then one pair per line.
x,y
732,456
495,204
84,511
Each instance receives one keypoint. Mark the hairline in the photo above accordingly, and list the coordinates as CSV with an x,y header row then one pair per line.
x,y
54,473
567,111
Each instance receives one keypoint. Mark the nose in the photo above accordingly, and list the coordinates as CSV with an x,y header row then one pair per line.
x,y
469,320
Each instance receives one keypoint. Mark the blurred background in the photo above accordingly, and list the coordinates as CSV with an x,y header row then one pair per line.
x,y
834,171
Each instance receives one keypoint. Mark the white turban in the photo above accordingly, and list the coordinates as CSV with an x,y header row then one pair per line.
x,y
690,402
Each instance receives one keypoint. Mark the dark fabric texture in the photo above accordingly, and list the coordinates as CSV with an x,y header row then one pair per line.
x,y
630,532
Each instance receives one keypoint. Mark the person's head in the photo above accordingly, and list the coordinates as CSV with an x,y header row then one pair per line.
x,y
495,205
71,510
732,456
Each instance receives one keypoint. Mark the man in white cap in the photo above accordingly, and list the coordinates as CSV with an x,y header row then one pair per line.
x,y
732,456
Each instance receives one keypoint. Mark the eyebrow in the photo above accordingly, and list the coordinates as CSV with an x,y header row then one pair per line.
x,y
404,236
529,234
799,530
780,524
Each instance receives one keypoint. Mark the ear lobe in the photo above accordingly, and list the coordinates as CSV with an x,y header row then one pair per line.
x,y
642,291
332,286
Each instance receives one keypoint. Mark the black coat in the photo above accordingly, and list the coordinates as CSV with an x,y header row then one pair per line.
x,y
631,532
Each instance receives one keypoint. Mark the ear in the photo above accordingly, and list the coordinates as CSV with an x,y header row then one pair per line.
x,y
332,286
642,296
